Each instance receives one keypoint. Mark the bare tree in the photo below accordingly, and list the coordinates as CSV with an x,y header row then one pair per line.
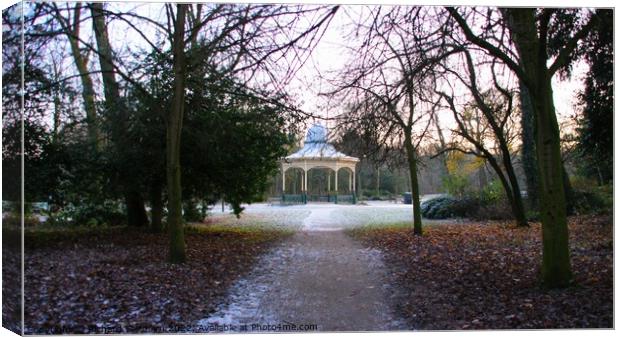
x,y
236,52
496,108
70,19
528,56
390,87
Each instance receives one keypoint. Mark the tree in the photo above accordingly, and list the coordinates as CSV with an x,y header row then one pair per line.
x,y
391,87
528,147
174,124
239,47
34,96
136,214
219,49
530,33
495,107
213,166
596,123
70,26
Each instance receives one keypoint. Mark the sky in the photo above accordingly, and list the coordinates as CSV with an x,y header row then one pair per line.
x,y
330,55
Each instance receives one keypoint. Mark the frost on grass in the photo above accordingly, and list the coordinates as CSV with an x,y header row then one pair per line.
x,y
262,217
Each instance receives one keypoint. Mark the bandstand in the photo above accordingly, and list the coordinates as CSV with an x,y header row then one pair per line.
x,y
318,153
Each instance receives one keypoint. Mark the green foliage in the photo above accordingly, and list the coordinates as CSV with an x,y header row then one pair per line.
x,y
595,130
234,150
498,209
492,193
231,137
107,212
490,204
597,199
191,213
456,184
41,156
448,207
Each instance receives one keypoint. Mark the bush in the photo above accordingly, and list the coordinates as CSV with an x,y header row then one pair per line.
x,y
492,193
597,199
489,204
456,185
90,214
498,209
448,207
14,220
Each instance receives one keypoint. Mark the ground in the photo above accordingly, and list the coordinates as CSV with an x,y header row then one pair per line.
x,y
320,278
486,275
118,280
314,280
317,267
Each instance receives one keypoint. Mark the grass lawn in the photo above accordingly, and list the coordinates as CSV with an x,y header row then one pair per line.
x,y
485,275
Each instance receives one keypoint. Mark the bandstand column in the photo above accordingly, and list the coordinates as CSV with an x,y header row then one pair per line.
x,y
283,179
353,192
336,180
305,194
350,180
329,180
305,177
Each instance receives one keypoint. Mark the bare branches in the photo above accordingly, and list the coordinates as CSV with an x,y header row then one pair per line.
x,y
491,49
394,70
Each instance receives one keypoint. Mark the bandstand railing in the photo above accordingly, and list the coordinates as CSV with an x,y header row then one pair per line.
x,y
296,199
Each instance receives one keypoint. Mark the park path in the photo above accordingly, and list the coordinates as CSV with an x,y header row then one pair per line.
x,y
319,276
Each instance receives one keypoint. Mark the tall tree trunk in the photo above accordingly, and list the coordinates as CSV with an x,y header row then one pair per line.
x,y
568,191
556,268
81,62
556,259
157,207
528,150
415,189
57,112
136,213
88,96
528,156
530,39
173,143
518,209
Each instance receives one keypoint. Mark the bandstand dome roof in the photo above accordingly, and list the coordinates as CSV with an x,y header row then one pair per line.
x,y
316,146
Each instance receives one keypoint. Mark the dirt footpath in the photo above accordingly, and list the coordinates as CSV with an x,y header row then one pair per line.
x,y
315,281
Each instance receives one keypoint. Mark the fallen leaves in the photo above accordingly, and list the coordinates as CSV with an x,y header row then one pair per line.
x,y
121,282
485,275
